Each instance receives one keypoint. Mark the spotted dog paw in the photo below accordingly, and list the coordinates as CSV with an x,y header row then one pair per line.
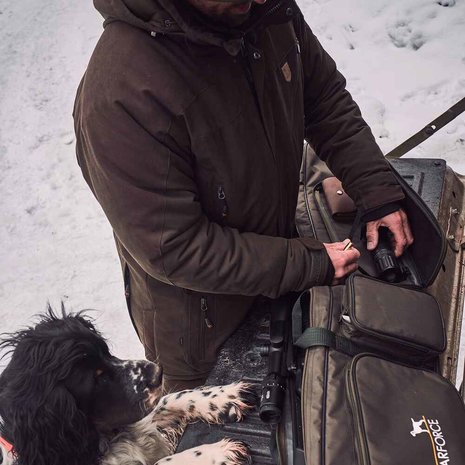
x,y
225,452
224,404
213,404
241,397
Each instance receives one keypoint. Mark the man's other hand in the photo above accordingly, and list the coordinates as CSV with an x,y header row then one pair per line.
x,y
398,224
344,261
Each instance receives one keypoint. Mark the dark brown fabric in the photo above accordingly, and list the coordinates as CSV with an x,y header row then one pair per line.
x,y
194,149
337,132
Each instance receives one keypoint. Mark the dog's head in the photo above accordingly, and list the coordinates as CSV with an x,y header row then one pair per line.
x,y
62,389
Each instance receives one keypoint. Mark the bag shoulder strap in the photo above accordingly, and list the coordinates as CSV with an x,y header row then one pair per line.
x,y
429,130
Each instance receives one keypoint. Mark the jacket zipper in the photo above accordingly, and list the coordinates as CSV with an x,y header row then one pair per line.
x,y
224,204
204,309
250,79
272,10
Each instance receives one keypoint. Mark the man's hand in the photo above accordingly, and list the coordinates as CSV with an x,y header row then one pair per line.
x,y
397,223
344,261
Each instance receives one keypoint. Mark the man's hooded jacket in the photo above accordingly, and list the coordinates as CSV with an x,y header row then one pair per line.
x,y
190,135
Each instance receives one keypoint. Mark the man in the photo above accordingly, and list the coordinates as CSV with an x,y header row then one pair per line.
x,y
190,123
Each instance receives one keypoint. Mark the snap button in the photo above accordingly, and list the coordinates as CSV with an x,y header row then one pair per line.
x,y
257,55
289,12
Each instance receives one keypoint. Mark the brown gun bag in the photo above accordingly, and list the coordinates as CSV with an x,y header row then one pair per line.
x,y
371,392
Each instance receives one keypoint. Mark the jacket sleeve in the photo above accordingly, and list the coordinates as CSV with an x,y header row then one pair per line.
x,y
335,128
145,183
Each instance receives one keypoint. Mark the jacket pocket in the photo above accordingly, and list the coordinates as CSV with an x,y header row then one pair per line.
x,y
289,66
140,309
212,319
127,296
290,83
222,204
201,328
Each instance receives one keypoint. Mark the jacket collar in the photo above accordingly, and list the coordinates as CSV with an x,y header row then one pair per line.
x,y
178,17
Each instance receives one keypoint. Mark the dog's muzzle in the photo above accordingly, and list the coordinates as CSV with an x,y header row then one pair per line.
x,y
154,387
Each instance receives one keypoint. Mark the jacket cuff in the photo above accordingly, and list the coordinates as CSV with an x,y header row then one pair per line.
x,y
380,212
320,270
329,272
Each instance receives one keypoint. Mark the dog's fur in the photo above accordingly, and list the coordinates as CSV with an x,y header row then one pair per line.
x,y
65,400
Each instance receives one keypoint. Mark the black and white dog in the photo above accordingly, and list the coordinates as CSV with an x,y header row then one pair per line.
x,y
65,400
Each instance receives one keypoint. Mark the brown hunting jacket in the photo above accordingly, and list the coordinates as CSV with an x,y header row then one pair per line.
x,y
191,135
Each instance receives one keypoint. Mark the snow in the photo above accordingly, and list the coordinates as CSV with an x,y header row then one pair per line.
x,y
404,62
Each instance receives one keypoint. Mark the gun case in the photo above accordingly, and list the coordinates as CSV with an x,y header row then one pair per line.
x,y
241,357
371,393
434,261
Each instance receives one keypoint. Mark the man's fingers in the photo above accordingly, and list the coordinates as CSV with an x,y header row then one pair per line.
x,y
400,243
345,270
399,239
341,246
352,255
372,235
397,223
406,226
344,261
351,268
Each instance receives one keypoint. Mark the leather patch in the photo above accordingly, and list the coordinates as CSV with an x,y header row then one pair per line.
x,y
286,69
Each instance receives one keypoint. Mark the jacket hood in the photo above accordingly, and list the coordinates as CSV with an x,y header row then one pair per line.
x,y
180,18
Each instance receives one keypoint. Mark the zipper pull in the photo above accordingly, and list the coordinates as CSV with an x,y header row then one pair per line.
x,y
222,197
345,316
204,308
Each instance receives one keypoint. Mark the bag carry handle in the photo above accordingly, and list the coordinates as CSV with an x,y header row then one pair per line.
x,y
317,337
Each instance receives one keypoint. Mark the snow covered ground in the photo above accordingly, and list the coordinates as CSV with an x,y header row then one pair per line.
x,y
404,61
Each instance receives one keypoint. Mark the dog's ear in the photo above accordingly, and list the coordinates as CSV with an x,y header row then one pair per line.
x,y
51,431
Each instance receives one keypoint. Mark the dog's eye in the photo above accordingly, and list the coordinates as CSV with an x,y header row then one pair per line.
x,y
101,376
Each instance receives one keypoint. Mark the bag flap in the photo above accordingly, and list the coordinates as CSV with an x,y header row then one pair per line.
x,y
404,415
341,206
403,315
429,247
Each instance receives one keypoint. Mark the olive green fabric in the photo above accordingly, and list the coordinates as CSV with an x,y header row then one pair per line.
x,y
366,409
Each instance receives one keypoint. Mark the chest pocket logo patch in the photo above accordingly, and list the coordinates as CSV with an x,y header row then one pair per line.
x,y
286,70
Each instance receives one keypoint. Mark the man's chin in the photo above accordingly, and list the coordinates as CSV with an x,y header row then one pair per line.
x,y
237,14
236,20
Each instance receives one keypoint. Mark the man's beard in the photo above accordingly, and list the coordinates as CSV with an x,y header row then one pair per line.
x,y
229,16
234,19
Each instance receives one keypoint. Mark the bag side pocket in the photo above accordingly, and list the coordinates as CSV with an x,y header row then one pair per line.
x,y
403,414
403,322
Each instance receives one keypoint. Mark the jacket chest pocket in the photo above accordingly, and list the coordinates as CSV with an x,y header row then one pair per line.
x,y
287,76
289,67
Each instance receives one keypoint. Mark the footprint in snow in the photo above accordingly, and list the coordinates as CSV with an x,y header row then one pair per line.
x,y
402,35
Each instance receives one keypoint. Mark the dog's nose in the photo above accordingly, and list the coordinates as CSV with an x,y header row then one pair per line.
x,y
154,386
154,375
